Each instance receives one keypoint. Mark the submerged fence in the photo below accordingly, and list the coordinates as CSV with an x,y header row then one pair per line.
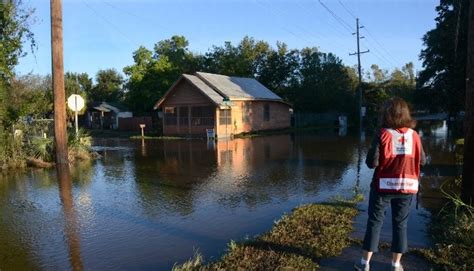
x,y
303,119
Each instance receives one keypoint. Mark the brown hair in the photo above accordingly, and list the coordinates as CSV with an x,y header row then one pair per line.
x,y
396,114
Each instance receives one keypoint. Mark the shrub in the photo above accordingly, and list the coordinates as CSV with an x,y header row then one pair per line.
x,y
42,148
11,152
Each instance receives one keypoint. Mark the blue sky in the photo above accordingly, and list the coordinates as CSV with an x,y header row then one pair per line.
x,y
101,34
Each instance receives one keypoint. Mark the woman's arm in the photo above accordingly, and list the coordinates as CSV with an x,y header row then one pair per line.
x,y
372,159
422,156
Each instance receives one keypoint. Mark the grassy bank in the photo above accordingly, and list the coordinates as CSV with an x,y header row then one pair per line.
x,y
283,131
12,155
452,229
33,151
157,137
98,133
296,242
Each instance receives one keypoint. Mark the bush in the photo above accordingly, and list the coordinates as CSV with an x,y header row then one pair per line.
x,y
11,152
42,148
79,146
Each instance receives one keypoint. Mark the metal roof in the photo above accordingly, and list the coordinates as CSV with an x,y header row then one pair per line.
x,y
237,88
217,87
207,90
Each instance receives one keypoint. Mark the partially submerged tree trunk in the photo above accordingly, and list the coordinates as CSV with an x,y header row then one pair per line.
x,y
38,163
468,168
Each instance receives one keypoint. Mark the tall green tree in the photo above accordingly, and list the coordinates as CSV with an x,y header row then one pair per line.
x,y
77,83
325,84
108,87
441,82
247,59
379,75
15,30
30,95
279,70
155,71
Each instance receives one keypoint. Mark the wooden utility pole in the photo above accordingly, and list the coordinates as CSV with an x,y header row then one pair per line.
x,y
60,132
467,193
358,53
359,94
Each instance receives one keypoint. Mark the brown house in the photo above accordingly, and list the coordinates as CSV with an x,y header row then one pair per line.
x,y
228,105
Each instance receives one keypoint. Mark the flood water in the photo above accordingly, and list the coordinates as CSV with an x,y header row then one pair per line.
x,y
146,206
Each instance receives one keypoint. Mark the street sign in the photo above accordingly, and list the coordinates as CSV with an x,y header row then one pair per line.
x,y
75,102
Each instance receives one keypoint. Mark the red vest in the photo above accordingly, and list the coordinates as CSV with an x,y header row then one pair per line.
x,y
399,161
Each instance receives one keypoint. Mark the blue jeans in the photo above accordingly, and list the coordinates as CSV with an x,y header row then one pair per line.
x,y
378,202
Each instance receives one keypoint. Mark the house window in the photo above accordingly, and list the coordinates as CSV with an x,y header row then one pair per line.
x,y
170,110
202,116
266,112
246,112
171,116
225,117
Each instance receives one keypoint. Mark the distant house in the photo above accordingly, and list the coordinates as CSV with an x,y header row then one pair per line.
x,y
228,105
103,115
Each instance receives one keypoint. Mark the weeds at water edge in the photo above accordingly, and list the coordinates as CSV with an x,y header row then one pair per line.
x,y
297,241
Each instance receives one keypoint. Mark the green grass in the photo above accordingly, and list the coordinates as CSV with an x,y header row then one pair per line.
x,y
296,242
453,234
97,133
157,137
282,131
452,229
12,153
460,141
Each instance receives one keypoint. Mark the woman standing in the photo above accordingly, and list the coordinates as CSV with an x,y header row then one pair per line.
x,y
396,154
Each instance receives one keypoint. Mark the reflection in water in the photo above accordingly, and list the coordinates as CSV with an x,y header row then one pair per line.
x,y
71,222
146,204
441,167
359,161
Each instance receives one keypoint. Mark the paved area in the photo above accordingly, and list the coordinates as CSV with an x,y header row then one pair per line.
x,y
380,261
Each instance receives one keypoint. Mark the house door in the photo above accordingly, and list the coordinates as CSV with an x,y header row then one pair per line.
x,y
183,124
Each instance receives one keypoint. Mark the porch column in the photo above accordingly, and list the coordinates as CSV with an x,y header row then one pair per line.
x,y
189,119
178,121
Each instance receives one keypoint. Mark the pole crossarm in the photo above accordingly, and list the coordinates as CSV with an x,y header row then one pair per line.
x,y
355,53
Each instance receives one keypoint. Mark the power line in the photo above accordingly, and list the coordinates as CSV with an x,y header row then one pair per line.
x,y
316,37
130,13
380,55
337,27
337,18
109,22
279,15
327,23
379,44
389,58
347,9
147,20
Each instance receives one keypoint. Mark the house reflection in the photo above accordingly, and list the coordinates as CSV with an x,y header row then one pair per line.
x,y
250,170
245,156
